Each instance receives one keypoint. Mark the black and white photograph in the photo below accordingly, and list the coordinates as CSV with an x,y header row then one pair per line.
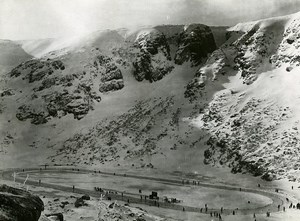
x,y
149,110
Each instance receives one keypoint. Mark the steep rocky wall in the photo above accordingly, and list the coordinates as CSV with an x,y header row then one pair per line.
x,y
194,44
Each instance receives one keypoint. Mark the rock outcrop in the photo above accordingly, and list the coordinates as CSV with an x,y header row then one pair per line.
x,y
57,90
111,76
36,69
152,62
80,202
195,43
25,112
17,204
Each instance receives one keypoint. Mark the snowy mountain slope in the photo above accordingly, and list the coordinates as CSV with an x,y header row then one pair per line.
x,y
87,99
147,99
253,121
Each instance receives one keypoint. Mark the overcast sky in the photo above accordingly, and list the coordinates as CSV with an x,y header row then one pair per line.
x,y
29,19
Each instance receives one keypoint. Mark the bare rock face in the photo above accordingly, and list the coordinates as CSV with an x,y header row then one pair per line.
x,y
113,85
111,76
153,42
36,70
17,204
25,112
195,42
142,67
152,63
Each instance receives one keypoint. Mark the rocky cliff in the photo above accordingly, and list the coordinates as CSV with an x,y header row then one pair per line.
x,y
194,43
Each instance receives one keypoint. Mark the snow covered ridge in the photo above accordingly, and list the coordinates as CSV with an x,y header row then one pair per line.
x,y
267,44
253,121
69,76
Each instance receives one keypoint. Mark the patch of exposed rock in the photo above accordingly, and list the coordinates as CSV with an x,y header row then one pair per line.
x,y
7,92
153,42
36,69
17,204
25,112
152,62
111,76
195,43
